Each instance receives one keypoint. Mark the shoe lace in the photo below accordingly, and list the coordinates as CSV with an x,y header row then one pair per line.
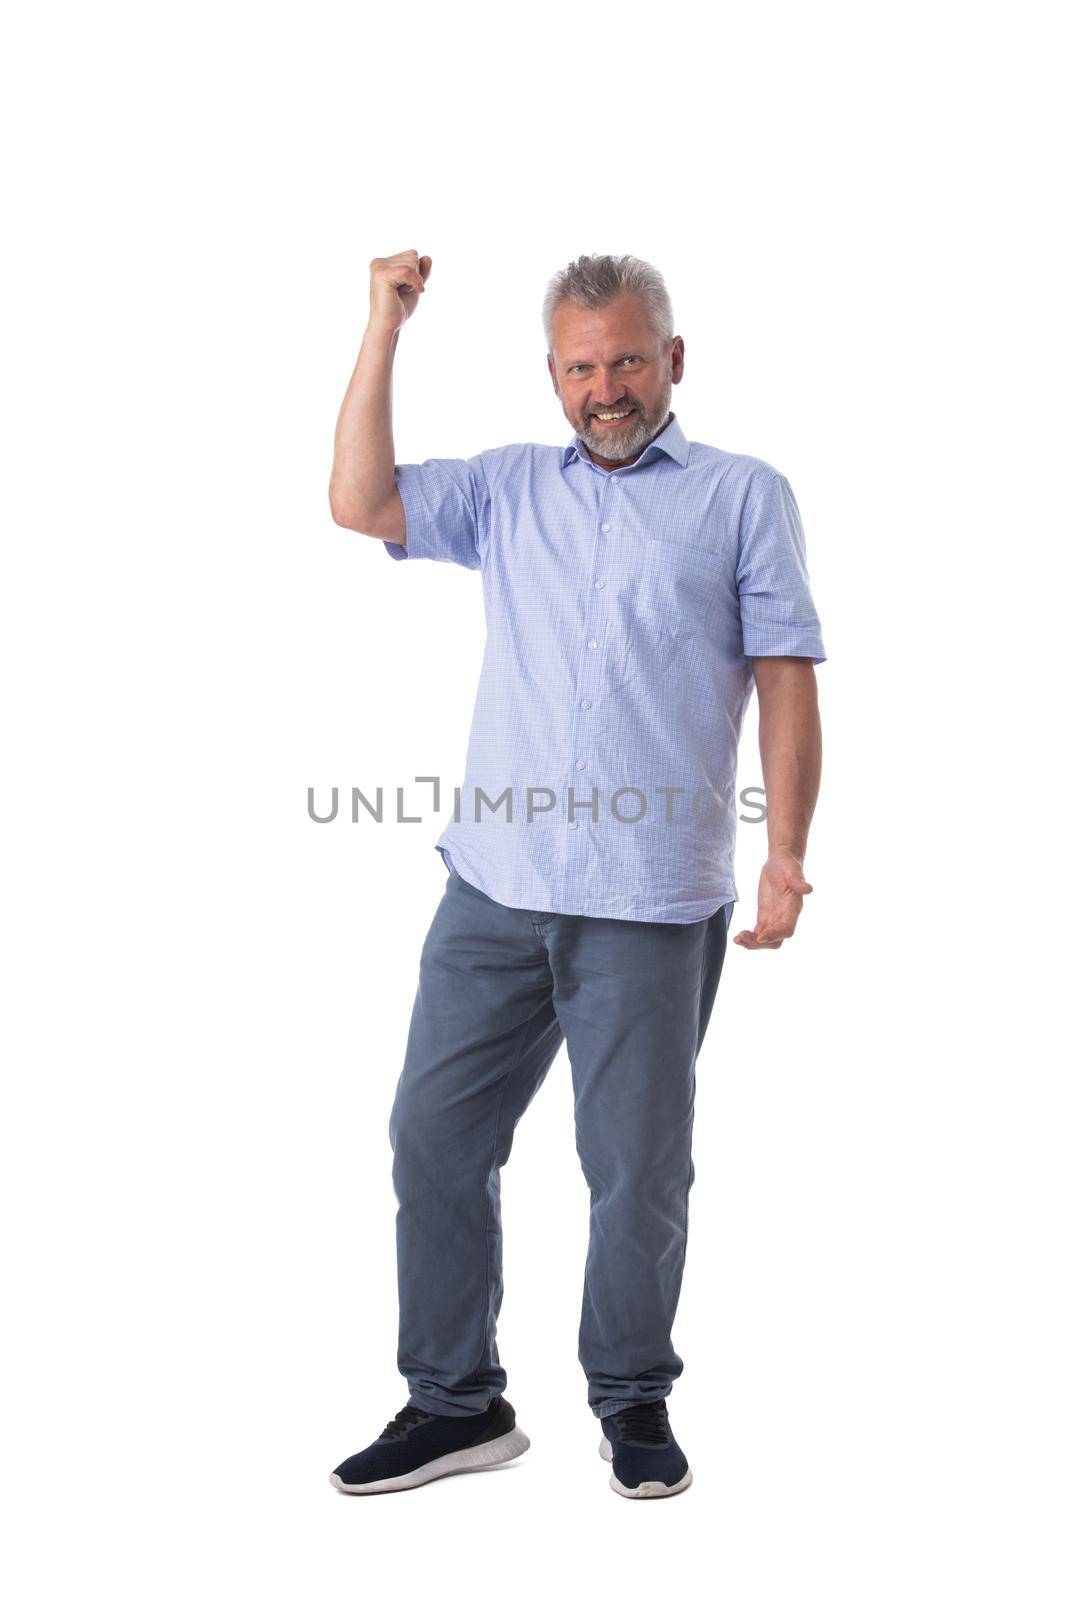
x,y
405,1418
643,1424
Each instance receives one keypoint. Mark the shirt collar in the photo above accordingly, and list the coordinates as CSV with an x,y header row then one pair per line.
x,y
670,441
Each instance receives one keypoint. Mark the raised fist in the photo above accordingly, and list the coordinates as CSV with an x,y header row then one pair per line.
x,y
396,283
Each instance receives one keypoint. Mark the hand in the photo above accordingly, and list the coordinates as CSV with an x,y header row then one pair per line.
x,y
782,886
396,285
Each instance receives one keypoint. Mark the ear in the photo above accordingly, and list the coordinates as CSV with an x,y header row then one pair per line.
x,y
552,373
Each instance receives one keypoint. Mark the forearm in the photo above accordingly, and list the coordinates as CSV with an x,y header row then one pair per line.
x,y
790,741
364,456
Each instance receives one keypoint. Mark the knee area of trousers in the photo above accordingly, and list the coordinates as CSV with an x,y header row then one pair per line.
x,y
421,1146
643,1181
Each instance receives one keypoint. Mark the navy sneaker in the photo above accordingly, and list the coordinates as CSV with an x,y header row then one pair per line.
x,y
646,1459
416,1447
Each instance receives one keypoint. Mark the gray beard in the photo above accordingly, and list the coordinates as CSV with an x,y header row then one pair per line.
x,y
616,444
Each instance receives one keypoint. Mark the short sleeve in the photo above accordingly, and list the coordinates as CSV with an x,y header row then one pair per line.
x,y
446,511
778,616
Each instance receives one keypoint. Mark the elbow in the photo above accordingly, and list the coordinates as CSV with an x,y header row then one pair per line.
x,y
351,508
342,517
346,512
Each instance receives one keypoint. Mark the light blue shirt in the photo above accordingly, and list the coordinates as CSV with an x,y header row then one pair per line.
x,y
622,610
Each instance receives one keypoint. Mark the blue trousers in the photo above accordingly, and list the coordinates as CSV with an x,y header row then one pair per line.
x,y
499,991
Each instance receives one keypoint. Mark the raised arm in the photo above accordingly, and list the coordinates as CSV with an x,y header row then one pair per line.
x,y
790,741
363,491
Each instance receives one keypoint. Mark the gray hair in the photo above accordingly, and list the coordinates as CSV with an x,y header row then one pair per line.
x,y
594,281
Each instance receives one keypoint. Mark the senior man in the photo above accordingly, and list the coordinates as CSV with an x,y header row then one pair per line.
x,y
637,584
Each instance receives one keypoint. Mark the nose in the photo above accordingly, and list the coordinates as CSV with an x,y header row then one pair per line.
x,y
604,380
616,399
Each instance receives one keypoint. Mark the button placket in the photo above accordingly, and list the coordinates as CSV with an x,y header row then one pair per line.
x,y
605,527
589,665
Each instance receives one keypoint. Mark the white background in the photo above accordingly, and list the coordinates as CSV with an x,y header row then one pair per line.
x,y
209,995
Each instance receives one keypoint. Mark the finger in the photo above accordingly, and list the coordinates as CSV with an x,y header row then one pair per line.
x,y
425,263
750,940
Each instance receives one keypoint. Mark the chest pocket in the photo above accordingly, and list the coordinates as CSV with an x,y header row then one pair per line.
x,y
679,581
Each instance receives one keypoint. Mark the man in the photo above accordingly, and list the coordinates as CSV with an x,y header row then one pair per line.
x,y
636,586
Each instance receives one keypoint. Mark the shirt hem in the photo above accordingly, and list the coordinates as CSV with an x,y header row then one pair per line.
x,y
687,911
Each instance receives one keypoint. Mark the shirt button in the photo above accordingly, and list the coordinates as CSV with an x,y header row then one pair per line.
x,y
605,527
572,824
599,584
586,704
579,764
592,644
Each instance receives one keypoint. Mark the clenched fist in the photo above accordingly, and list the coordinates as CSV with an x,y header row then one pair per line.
x,y
396,282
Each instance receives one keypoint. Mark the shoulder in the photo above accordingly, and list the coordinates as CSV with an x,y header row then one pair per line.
x,y
731,468
504,462
739,487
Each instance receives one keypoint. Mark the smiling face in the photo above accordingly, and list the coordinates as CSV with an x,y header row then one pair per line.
x,y
611,360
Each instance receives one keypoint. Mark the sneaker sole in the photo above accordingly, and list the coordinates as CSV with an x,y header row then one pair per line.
x,y
477,1458
650,1490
